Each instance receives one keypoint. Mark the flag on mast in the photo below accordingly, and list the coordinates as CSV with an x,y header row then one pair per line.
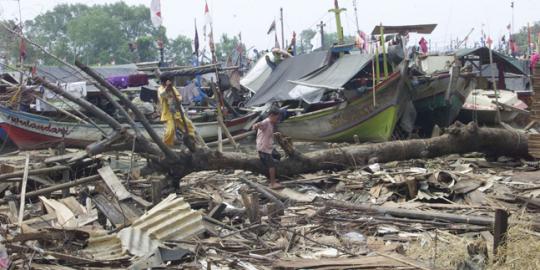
x,y
272,28
196,41
207,14
211,33
155,13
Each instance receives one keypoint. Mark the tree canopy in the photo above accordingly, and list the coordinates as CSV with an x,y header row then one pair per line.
x,y
97,35
522,37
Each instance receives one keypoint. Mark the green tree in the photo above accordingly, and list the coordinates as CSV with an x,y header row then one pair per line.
x,y
305,40
98,34
227,47
522,38
180,50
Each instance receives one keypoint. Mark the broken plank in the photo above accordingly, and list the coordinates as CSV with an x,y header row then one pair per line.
x,y
371,262
114,183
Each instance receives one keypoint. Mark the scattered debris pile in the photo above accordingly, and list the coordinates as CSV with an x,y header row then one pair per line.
x,y
418,214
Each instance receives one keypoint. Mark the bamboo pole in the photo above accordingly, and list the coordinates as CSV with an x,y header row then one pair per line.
x,y
374,82
221,124
377,64
385,64
498,113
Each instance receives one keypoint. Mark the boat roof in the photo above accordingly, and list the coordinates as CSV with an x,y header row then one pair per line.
x,y
400,29
335,76
511,64
278,85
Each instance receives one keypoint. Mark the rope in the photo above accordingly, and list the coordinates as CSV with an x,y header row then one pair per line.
x,y
13,100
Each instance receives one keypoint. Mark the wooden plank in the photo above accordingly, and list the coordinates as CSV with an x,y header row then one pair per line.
x,y
23,190
370,262
114,183
110,210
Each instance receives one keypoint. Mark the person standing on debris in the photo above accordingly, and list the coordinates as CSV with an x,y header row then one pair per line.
x,y
169,101
265,139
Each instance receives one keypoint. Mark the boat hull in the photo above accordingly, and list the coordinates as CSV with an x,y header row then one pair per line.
x,y
432,105
30,131
341,123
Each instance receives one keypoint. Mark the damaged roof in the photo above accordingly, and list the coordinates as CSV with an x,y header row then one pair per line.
x,y
512,65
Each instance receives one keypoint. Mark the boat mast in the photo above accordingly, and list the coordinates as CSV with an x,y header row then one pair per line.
x,y
322,25
356,16
282,31
337,11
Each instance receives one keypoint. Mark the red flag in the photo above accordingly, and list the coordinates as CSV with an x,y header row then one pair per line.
x,y
489,41
513,46
155,13
423,45
207,14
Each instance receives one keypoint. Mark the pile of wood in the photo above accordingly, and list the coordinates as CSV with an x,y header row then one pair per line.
x,y
79,208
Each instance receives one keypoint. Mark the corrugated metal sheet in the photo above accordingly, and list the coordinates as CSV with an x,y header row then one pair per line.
x,y
171,219
104,247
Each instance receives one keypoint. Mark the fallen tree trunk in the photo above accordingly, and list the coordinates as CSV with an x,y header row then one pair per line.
x,y
460,139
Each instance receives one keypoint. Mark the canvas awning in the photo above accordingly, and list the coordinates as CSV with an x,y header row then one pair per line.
x,y
277,86
338,74
510,64
257,75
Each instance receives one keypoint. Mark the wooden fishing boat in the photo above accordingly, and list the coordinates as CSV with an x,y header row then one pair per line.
x,y
30,131
439,100
360,117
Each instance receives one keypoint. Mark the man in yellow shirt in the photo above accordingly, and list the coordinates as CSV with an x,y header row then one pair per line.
x,y
170,100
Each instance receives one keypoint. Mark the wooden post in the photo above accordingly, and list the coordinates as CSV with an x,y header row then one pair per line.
x,y
220,138
500,229
377,66
156,191
412,187
255,211
374,87
246,202
221,124
23,191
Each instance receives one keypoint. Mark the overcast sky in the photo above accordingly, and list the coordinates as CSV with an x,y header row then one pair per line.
x,y
455,18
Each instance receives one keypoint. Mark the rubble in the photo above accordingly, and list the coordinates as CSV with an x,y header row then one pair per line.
x,y
415,214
